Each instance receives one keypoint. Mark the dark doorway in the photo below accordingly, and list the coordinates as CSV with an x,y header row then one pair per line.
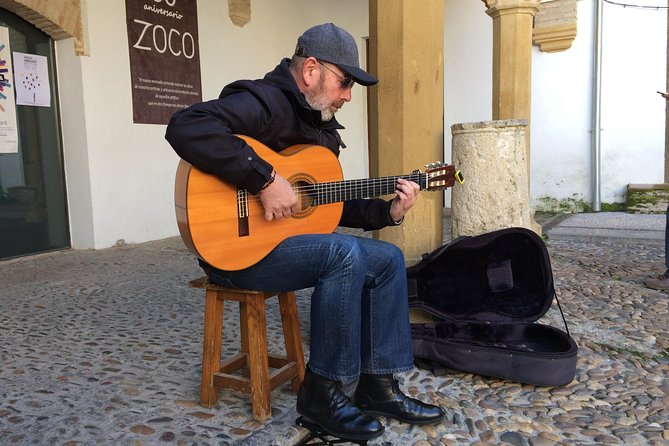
x,y
33,209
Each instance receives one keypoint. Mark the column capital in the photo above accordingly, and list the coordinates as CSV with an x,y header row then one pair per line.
x,y
499,7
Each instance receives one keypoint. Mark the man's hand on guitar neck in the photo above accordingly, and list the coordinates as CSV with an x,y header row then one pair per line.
x,y
278,199
407,194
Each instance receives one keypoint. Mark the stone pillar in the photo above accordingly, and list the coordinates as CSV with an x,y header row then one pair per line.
x,y
666,113
512,22
406,125
495,194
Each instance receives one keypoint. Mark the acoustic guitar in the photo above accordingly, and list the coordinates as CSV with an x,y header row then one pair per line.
x,y
225,226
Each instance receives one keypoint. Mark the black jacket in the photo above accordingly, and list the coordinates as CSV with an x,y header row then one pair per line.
x,y
273,111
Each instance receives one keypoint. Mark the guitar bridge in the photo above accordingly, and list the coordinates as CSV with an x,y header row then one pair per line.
x,y
242,212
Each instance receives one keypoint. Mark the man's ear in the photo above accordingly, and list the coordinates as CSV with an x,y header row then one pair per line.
x,y
310,71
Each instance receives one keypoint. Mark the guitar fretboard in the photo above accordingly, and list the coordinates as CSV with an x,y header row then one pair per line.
x,y
334,192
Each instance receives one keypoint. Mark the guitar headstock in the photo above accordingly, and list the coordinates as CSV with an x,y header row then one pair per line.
x,y
439,176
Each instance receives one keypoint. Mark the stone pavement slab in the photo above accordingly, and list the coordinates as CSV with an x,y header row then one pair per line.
x,y
611,226
103,348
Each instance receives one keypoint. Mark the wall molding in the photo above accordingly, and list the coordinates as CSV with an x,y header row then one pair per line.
x,y
60,19
555,25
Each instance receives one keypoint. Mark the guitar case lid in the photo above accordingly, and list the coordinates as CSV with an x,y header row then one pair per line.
x,y
485,294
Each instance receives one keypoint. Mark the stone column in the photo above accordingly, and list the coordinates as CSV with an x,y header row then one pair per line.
x,y
666,114
512,22
406,109
495,194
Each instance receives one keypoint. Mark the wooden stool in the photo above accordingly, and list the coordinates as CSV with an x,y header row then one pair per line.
x,y
253,358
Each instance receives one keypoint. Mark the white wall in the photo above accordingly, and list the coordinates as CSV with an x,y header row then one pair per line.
x,y
633,68
467,68
120,175
633,114
75,151
632,138
561,118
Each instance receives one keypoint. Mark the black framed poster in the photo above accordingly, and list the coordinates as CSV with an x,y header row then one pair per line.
x,y
164,58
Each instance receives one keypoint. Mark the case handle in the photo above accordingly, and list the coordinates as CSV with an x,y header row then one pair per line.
x,y
566,327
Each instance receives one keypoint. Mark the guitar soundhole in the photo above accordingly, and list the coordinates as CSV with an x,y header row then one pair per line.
x,y
306,199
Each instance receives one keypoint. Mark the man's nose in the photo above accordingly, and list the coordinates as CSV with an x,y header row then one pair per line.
x,y
347,94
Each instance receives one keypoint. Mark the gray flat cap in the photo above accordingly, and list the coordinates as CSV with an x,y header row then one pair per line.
x,y
330,43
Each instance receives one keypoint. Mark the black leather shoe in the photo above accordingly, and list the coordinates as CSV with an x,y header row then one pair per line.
x,y
323,402
381,395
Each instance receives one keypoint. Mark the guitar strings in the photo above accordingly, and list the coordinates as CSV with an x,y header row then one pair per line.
x,y
346,187
360,183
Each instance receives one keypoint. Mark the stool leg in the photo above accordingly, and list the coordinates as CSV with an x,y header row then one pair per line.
x,y
258,361
211,347
291,335
244,335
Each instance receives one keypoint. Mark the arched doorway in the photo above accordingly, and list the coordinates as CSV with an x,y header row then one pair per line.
x,y
33,210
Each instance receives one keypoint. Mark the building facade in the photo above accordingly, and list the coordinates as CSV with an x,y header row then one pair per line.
x,y
85,175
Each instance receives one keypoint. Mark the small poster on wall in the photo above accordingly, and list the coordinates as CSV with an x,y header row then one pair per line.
x,y
164,58
31,79
9,140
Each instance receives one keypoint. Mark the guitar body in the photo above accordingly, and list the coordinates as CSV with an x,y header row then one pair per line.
x,y
227,228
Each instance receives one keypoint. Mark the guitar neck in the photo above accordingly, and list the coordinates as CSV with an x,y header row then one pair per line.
x,y
333,192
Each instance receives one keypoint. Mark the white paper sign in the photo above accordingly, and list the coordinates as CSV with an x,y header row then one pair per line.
x,y
9,140
31,77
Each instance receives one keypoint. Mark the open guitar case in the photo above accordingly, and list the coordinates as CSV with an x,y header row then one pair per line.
x,y
485,294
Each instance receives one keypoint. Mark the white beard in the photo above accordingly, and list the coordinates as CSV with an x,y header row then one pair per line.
x,y
327,115
319,102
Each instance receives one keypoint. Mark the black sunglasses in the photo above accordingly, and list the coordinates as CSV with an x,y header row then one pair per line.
x,y
345,81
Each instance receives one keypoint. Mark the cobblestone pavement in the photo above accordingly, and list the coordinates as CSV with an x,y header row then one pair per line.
x,y
103,347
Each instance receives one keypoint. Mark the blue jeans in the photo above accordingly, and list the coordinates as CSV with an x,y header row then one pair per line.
x,y
359,306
